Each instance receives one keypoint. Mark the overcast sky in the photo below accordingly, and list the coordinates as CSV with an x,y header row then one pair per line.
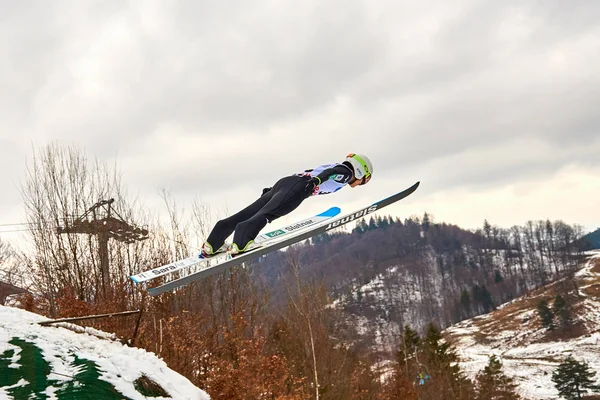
x,y
492,105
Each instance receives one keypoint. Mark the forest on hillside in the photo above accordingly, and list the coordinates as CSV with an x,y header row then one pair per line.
x,y
592,240
269,330
388,273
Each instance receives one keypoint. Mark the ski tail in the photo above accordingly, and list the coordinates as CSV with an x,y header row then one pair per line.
x,y
279,244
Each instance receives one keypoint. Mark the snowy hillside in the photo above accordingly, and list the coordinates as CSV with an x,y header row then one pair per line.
x,y
53,362
380,308
529,354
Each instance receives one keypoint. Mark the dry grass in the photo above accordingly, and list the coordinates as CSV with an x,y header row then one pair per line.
x,y
592,290
596,267
482,338
560,334
511,318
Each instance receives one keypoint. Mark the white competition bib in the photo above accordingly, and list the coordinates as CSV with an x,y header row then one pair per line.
x,y
329,186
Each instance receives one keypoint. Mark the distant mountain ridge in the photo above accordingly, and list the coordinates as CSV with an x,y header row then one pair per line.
x,y
593,239
389,273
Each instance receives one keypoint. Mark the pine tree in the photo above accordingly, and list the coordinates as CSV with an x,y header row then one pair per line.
x,y
476,294
498,276
573,378
401,384
546,315
407,355
372,224
410,338
358,229
486,300
385,222
362,226
562,311
483,298
465,301
492,384
446,379
426,223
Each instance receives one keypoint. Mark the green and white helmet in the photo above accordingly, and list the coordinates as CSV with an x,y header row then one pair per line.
x,y
363,169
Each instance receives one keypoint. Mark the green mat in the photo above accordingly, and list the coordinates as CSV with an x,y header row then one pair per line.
x,y
30,379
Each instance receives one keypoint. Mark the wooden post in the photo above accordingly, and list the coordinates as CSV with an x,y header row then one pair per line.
x,y
120,314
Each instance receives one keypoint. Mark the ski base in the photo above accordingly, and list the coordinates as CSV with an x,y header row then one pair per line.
x,y
261,239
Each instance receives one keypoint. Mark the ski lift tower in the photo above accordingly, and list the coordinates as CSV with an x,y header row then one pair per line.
x,y
104,227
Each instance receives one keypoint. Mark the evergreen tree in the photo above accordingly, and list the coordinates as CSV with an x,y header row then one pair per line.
x,y
488,303
442,366
407,355
385,222
492,384
476,294
426,223
358,229
562,311
487,230
372,224
546,315
498,276
573,378
410,338
483,298
401,383
436,349
465,301
362,226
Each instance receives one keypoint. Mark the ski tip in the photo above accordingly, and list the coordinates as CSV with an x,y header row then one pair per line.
x,y
413,187
402,194
134,279
332,212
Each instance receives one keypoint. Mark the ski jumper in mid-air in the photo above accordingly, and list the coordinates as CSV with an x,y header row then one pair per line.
x,y
281,199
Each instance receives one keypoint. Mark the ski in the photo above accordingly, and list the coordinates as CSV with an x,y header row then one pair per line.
x,y
261,239
279,244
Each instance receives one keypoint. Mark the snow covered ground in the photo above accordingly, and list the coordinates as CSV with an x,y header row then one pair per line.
x,y
63,351
513,334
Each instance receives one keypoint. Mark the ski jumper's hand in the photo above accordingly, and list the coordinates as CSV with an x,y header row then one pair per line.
x,y
312,185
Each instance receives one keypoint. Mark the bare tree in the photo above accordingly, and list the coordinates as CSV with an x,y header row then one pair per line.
x,y
179,230
12,270
6,255
62,194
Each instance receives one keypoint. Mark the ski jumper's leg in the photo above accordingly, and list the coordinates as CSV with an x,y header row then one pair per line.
x,y
288,194
225,227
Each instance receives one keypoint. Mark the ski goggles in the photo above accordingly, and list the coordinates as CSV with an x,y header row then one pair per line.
x,y
362,162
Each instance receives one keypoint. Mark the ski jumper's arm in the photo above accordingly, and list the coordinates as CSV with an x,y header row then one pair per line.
x,y
340,173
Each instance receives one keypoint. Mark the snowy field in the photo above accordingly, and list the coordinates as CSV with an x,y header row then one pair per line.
x,y
63,350
519,344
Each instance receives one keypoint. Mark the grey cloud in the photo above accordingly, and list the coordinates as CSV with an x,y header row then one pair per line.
x,y
208,70
420,84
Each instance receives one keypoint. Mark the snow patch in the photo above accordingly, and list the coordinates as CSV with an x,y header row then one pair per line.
x,y
120,365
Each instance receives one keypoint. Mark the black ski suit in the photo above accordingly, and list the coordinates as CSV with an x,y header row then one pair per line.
x,y
284,197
